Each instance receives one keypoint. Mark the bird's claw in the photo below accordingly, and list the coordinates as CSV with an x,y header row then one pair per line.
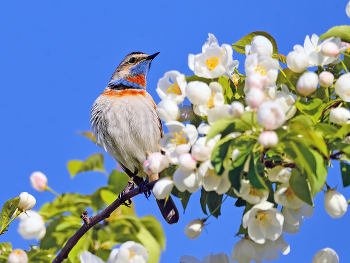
x,y
143,188
127,189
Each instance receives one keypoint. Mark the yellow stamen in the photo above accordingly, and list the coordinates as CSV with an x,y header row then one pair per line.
x,y
254,192
179,138
132,254
289,194
210,103
212,62
262,218
235,78
174,88
261,70
317,49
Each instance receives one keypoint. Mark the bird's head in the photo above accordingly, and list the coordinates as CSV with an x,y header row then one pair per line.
x,y
133,70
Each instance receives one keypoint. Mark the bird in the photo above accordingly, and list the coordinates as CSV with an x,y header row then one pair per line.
x,y
124,121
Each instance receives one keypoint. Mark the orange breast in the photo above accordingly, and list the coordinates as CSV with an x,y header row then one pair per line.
x,y
139,79
122,93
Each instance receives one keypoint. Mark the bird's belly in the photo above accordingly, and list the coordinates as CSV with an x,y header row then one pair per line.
x,y
133,130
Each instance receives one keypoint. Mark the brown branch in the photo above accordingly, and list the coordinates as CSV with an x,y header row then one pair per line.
x,y
335,155
93,220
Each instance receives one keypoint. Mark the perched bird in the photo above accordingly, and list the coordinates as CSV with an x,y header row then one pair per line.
x,y
125,122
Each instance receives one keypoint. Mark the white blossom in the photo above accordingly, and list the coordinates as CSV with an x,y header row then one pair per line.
x,y
216,99
279,174
285,196
179,139
216,258
189,259
342,87
129,252
271,115
187,180
335,204
297,60
326,255
251,194
218,113
163,188
155,163
202,149
261,46
187,162
198,92
339,115
88,257
172,87
263,222
243,251
347,9
307,83
330,49
26,201
254,80
194,228
255,97
269,250
286,99
18,256
326,79
31,225
293,218
203,128
167,110
267,67
214,61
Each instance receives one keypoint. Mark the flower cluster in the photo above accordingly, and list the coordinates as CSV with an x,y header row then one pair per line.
x,y
258,123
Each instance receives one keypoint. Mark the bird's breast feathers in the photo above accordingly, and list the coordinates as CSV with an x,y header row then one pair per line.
x,y
127,126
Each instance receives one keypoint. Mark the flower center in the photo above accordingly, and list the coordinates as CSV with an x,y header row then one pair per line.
x,y
180,138
212,62
254,191
210,103
235,78
261,70
317,49
262,218
18,252
213,175
174,88
132,254
289,194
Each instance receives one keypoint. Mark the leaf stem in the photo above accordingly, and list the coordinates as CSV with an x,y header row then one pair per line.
x,y
3,228
215,209
284,74
52,191
344,67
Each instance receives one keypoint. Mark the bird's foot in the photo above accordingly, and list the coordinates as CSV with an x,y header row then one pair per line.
x,y
127,189
143,188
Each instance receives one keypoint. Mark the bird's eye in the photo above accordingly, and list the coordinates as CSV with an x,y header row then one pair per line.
x,y
132,60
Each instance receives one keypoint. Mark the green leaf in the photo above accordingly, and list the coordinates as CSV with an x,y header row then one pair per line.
x,y
299,184
345,173
282,58
184,197
155,228
93,163
255,179
117,181
291,76
107,196
312,108
150,243
226,87
214,203
8,209
239,46
338,31
326,129
203,201
235,176
226,126
220,156
196,121
196,78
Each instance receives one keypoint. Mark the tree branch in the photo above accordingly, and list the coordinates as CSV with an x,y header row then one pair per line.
x,y
127,194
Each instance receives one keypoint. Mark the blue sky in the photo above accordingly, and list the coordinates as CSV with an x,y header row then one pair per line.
x,y
56,57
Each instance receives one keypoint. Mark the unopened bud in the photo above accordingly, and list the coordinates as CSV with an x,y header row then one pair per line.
x,y
38,180
194,228
186,113
17,256
307,83
326,79
330,49
268,138
26,202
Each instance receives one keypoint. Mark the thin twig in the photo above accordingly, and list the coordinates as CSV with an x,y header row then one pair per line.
x,y
93,220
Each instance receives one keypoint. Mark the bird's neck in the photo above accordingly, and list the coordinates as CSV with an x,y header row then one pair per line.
x,y
135,82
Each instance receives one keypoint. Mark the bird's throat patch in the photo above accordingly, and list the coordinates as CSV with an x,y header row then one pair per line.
x,y
139,79
123,93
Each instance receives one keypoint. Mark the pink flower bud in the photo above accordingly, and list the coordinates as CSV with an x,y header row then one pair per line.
x,y
255,97
326,79
194,228
237,109
18,256
297,60
268,138
26,202
186,113
38,180
254,81
330,49
307,83
157,162
271,115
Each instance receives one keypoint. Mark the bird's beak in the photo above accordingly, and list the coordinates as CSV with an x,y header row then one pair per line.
x,y
151,57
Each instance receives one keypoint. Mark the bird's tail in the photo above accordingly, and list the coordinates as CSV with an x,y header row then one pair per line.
x,y
169,210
